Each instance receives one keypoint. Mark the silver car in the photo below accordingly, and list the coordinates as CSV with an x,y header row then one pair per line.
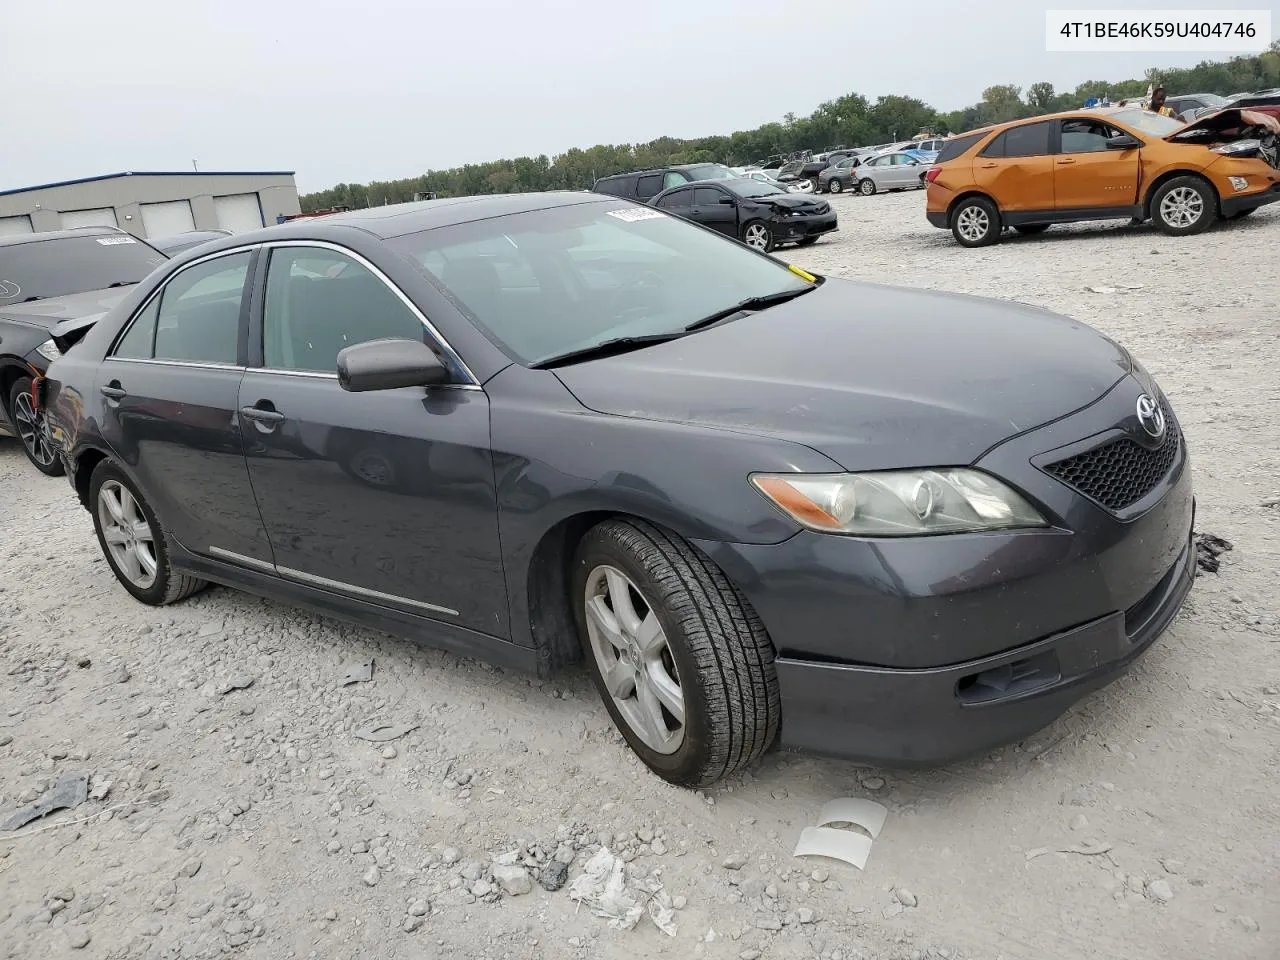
x,y
891,171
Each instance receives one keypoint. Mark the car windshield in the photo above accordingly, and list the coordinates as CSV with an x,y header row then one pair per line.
x,y
58,267
1149,122
754,188
710,171
549,282
1212,100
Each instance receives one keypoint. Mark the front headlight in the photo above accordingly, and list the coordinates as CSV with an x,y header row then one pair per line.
x,y
899,503
1238,146
49,350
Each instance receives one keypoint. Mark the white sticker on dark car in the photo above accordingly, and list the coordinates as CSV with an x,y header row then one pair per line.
x,y
112,241
632,214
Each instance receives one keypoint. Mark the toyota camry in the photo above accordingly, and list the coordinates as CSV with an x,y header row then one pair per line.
x,y
764,506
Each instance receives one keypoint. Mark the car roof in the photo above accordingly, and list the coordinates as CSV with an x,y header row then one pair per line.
x,y
398,219
14,240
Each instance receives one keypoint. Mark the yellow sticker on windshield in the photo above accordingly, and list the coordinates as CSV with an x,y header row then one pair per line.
x,y
802,274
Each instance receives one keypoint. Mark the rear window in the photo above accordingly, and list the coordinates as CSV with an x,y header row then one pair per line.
x,y
1029,140
614,186
957,146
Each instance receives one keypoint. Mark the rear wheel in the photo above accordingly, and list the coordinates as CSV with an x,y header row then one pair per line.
x,y
758,235
836,185
682,662
133,539
33,430
1184,206
866,186
975,222
1031,229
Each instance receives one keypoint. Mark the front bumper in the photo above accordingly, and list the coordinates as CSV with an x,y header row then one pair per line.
x,y
931,716
792,229
1232,205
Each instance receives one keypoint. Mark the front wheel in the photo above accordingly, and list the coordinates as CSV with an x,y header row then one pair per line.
x,y
866,186
133,539
682,662
975,222
757,235
1184,206
836,185
33,430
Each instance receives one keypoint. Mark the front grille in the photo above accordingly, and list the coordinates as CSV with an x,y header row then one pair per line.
x,y
1120,472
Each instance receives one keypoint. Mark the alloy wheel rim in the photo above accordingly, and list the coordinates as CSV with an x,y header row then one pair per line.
x,y
32,430
973,223
634,659
127,534
834,186
868,188
1182,207
757,236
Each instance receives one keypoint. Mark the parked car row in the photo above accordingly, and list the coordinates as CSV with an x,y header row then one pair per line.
x,y
549,427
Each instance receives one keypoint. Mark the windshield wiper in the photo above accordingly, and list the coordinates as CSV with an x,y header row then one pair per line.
x,y
743,306
605,348
32,299
122,283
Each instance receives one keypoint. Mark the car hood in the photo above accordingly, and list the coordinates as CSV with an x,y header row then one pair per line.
x,y
873,377
797,201
52,311
1227,118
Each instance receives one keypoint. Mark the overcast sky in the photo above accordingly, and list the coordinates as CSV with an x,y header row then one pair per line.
x,y
379,89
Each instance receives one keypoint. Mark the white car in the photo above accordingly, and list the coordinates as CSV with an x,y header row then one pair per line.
x,y
891,171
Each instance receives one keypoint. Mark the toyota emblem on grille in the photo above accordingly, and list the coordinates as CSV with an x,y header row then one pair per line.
x,y
1151,417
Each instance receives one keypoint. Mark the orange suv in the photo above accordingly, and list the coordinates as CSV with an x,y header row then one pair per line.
x,y
1101,165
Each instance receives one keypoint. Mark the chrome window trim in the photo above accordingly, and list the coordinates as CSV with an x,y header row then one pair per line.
x,y
355,591
317,375
178,363
372,268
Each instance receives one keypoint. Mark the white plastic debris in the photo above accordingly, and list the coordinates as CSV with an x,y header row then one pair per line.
x,y
838,843
620,897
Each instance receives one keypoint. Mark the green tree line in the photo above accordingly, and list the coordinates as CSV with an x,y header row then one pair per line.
x,y
851,120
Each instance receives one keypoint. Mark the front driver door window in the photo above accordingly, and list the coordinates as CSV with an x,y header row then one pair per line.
x,y
170,398
386,497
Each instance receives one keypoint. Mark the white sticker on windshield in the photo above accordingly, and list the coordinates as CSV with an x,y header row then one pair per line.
x,y
632,214
112,241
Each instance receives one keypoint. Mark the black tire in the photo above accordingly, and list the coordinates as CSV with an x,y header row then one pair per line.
x,y
1188,187
29,425
1240,214
867,187
721,652
168,587
813,182
975,222
835,185
1031,229
753,231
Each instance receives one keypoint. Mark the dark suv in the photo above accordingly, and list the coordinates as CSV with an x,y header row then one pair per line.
x,y
50,282
647,184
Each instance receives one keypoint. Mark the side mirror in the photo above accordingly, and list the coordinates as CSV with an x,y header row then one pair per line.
x,y
388,365
728,201
1123,142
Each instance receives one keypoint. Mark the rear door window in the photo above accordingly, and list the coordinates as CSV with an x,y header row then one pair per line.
x,y
676,199
195,318
1028,140
648,186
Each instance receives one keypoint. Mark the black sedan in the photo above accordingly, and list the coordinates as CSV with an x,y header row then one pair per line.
x,y
888,524
47,280
760,215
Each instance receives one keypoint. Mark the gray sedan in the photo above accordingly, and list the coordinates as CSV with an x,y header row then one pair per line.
x,y
891,171
557,426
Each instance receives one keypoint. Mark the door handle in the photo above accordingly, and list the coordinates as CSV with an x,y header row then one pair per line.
x,y
1066,160
113,391
988,166
262,415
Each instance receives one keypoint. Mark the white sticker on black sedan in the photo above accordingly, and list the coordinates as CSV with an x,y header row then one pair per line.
x,y
112,241
632,214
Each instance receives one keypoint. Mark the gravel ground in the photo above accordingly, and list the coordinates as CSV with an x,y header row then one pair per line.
x,y
252,820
